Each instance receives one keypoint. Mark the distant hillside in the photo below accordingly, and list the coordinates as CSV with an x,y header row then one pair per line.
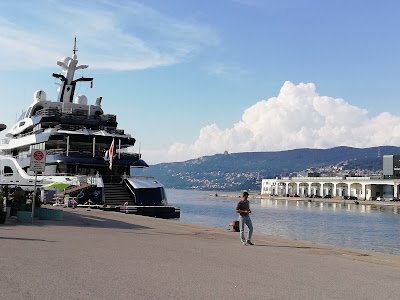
x,y
238,171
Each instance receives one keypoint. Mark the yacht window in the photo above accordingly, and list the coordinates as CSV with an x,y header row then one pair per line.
x,y
86,170
62,168
8,171
21,123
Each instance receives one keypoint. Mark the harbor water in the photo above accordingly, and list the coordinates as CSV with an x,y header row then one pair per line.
x,y
374,228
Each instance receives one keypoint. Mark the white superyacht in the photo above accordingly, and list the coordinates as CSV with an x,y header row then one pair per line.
x,y
84,148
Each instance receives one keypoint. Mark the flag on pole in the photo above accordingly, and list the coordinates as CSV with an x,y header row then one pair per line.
x,y
111,153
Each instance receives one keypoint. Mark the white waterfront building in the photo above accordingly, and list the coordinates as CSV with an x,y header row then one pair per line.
x,y
364,188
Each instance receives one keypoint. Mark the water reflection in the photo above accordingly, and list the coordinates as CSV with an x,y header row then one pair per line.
x,y
370,227
364,208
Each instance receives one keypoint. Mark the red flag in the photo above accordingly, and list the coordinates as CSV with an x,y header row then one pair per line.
x,y
111,153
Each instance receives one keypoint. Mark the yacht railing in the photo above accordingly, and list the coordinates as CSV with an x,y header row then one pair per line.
x,y
98,154
69,127
29,133
93,179
73,178
74,113
48,112
76,180
84,153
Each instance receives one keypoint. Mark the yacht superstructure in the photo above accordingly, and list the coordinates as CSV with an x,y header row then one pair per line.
x,y
84,147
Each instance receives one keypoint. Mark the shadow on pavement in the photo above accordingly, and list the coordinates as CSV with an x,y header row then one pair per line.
x,y
72,219
26,239
286,246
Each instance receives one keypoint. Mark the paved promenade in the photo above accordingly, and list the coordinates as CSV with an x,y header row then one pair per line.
x,y
107,255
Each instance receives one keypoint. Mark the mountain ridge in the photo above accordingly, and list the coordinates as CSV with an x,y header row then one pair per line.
x,y
238,171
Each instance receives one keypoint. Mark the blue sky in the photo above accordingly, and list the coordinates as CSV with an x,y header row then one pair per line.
x,y
193,78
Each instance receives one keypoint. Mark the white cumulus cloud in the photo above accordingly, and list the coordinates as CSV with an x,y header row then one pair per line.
x,y
297,118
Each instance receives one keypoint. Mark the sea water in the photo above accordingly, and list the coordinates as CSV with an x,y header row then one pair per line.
x,y
375,228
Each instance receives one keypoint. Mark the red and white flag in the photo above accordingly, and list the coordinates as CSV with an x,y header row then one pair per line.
x,y
111,153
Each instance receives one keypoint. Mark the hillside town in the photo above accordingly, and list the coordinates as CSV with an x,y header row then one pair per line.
x,y
220,180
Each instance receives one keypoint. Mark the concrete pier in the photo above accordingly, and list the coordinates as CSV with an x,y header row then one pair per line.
x,y
107,255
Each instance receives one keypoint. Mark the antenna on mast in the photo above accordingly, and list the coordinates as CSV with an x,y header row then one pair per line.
x,y
75,49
